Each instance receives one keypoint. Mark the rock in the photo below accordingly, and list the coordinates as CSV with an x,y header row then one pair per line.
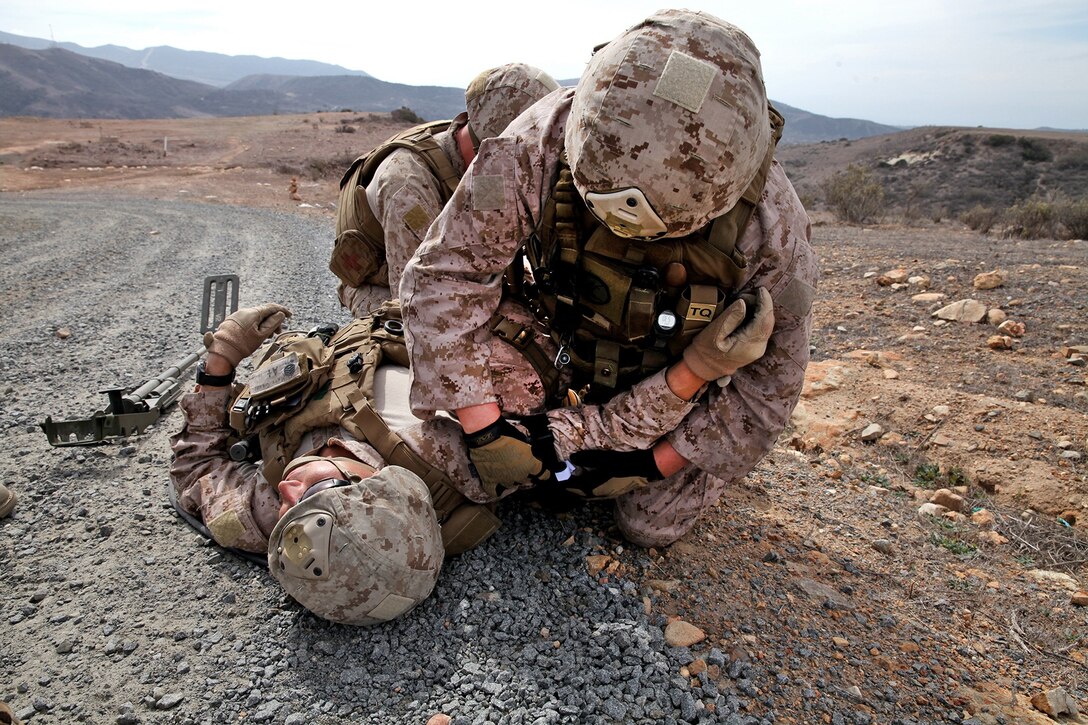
x,y
983,518
840,642
679,633
823,377
890,374
828,596
996,316
63,333
1079,599
884,546
928,297
596,562
999,342
664,585
945,497
931,509
439,719
991,537
989,280
962,311
1055,702
919,280
1045,576
892,276
1070,455
872,432
169,701
1012,328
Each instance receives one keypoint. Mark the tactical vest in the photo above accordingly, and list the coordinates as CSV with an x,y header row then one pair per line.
x,y
309,381
621,309
358,256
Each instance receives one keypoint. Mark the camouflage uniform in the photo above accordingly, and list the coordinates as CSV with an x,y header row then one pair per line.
x,y
453,285
209,483
404,194
403,188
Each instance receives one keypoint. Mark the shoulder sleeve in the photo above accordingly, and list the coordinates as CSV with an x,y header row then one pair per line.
x,y
405,198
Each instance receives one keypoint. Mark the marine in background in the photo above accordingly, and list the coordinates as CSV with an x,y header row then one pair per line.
x,y
650,212
390,196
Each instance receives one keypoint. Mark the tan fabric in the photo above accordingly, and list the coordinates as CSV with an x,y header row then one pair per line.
x,y
452,287
405,197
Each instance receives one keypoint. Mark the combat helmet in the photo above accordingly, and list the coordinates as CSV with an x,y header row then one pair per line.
x,y
497,96
359,550
668,125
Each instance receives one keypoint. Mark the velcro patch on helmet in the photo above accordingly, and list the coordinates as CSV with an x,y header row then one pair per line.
x,y
685,81
417,219
226,528
391,607
488,192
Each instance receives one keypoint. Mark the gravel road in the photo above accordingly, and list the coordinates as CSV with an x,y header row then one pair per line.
x,y
115,611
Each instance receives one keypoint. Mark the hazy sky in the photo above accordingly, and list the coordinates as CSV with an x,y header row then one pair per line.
x,y
1011,63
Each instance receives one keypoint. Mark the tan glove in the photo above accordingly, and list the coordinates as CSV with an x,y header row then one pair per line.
x,y
729,342
504,456
242,332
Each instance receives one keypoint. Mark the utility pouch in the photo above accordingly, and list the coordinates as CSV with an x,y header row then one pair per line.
x,y
357,260
282,385
470,524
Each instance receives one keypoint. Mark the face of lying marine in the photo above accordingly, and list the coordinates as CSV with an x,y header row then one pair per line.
x,y
317,475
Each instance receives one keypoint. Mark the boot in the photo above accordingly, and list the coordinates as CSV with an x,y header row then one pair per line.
x,y
7,503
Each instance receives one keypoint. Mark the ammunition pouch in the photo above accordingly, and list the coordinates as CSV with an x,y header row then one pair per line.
x,y
601,294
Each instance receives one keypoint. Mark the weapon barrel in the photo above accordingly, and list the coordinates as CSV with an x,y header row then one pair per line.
x,y
158,385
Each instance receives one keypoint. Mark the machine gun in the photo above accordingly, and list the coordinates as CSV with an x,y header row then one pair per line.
x,y
132,412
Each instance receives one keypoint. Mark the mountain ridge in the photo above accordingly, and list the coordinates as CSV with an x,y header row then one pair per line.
x,y
42,81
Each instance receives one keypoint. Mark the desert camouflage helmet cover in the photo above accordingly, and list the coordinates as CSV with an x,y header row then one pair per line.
x,y
675,108
360,554
497,96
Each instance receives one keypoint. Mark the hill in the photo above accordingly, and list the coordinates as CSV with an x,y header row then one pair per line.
x,y
300,94
275,85
944,171
57,83
807,127
215,69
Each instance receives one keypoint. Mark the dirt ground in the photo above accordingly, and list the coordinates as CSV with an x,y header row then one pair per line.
x,y
821,565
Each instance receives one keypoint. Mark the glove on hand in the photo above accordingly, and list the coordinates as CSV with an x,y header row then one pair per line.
x,y
608,474
729,342
242,332
503,457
